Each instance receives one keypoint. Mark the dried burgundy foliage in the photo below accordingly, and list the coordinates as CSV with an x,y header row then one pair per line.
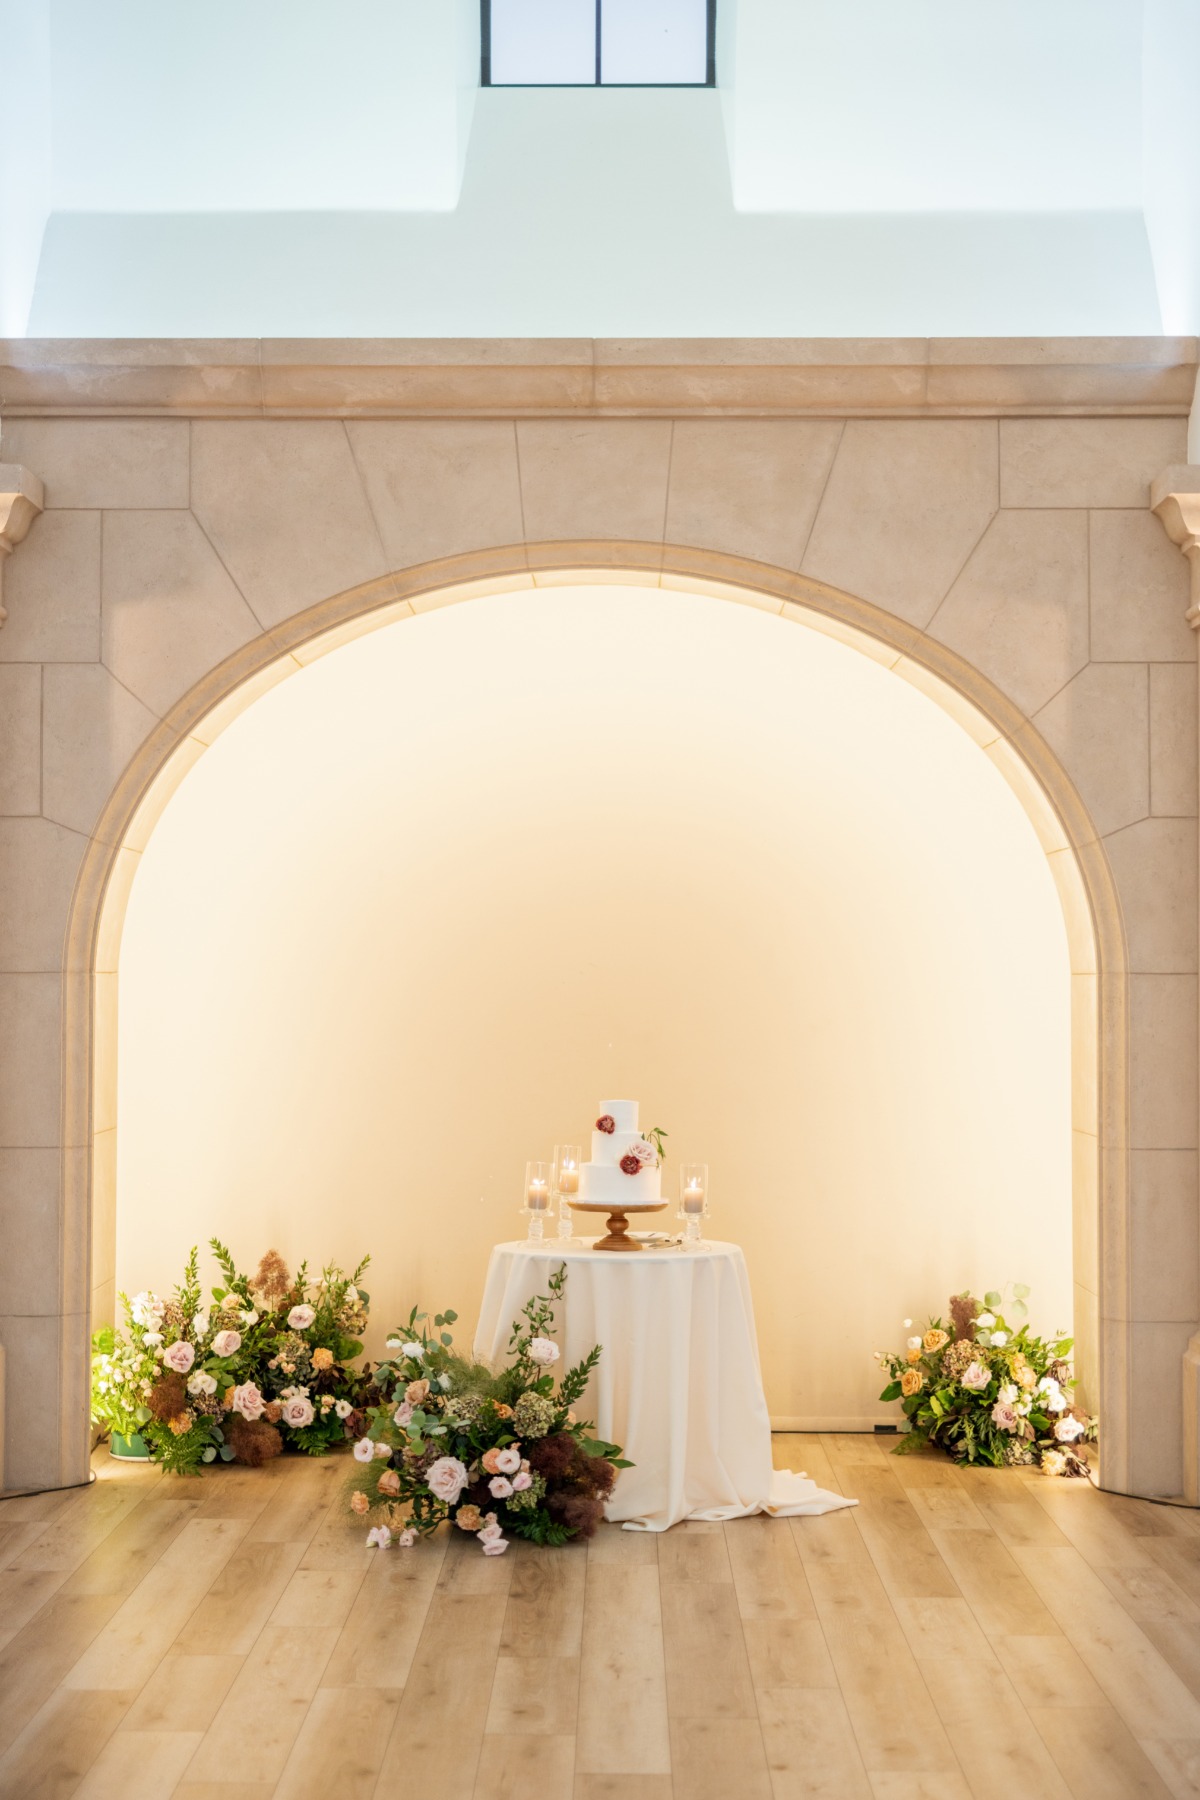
x,y
963,1311
253,1441
168,1397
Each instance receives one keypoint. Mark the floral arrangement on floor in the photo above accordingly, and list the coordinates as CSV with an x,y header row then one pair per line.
x,y
988,1393
494,1452
268,1362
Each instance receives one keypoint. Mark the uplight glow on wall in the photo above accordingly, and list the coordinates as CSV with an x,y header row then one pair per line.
x,y
431,897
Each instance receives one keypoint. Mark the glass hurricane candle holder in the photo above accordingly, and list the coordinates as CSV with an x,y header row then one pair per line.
x,y
567,1158
537,1197
693,1199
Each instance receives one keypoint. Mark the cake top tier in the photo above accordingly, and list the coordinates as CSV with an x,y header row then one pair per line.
x,y
623,1113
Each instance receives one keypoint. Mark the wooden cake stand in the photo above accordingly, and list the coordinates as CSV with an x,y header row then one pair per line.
x,y
618,1224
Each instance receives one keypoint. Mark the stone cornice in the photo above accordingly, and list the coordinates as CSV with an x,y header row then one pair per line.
x,y
1175,497
585,377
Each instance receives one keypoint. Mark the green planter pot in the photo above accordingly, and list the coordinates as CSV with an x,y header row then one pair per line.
x,y
130,1449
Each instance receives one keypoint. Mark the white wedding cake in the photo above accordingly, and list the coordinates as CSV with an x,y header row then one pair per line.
x,y
624,1171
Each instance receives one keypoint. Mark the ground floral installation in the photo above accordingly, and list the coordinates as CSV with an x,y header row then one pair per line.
x,y
267,1364
494,1452
987,1393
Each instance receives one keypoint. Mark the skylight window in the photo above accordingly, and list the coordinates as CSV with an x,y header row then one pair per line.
x,y
598,43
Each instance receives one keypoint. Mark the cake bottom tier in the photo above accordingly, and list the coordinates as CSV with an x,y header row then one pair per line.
x,y
602,1185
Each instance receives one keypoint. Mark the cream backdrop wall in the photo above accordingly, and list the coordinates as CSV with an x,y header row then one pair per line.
x,y
429,900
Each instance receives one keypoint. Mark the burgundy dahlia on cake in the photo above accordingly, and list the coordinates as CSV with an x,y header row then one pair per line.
x,y
630,1164
606,1123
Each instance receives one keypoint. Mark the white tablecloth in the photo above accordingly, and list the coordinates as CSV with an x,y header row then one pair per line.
x,y
678,1384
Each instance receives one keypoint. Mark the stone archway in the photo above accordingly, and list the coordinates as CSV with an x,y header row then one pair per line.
x,y
1076,858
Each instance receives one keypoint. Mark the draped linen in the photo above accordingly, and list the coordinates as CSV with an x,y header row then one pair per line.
x,y
678,1384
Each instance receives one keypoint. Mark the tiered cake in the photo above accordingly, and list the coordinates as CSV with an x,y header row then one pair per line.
x,y
616,1140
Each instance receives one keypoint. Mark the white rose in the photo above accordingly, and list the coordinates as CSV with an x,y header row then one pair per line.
x,y
201,1383
543,1350
298,1412
1055,1401
914,1343
446,1479
249,1318
1067,1430
200,1323
987,1320
976,1377
413,1349
300,1318
1008,1393
999,1339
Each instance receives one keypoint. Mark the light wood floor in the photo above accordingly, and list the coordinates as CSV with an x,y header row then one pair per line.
x,y
959,1634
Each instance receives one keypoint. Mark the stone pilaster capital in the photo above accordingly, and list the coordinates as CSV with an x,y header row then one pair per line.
x,y
1175,498
22,498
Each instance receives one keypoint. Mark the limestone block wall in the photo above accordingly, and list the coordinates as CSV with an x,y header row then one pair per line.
x,y
981,512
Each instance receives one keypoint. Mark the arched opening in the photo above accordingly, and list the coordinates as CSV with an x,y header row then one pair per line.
x,y
972,730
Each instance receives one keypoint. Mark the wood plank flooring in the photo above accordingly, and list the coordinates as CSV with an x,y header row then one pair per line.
x,y
961,1635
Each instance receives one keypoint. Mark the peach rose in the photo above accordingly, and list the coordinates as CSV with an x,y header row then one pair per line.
x,y
322,1359
911,1382
416,1391
468,1518
914,1356
501,1411
934,1340
491,1461
359,1504
389,1484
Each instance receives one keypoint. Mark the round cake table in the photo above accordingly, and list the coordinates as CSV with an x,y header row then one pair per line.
x,y
678,1384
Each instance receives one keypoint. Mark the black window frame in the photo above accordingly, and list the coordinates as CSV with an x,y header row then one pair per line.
x,y
485,57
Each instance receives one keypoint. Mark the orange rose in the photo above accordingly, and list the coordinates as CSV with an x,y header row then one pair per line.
x,y
911,1382
322,1359
501,1411
934,1341
914,1356
469,1518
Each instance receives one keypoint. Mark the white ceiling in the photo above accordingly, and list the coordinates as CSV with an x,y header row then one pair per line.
x,y
941,166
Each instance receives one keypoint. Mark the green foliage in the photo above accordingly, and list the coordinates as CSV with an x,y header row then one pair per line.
x,y
655,1138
